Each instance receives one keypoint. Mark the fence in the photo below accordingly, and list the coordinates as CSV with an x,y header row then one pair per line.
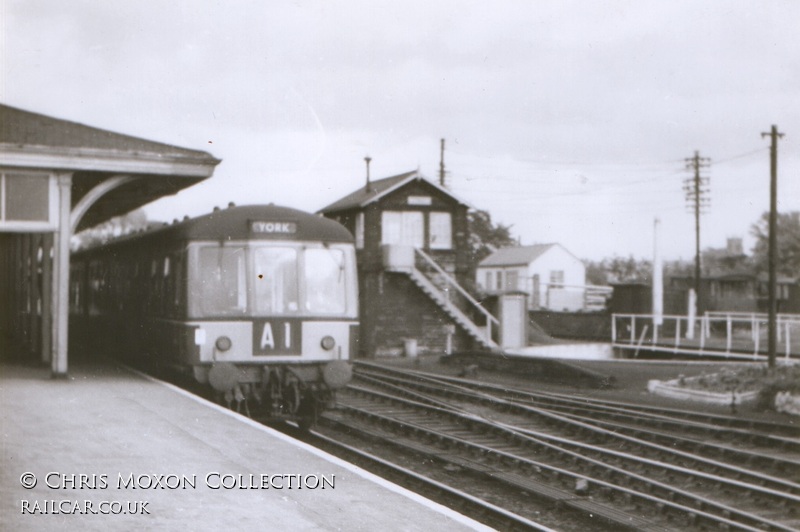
x,y
728,334
565,297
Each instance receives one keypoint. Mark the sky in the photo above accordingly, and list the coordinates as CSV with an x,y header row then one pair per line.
x,y
569,121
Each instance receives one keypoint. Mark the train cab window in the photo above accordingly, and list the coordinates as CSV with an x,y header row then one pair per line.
x,y
276,280
222,286
325,281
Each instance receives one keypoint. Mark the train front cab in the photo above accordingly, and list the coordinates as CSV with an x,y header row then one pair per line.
x,y
272,321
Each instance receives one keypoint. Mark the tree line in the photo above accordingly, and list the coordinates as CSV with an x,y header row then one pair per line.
x,y
487,236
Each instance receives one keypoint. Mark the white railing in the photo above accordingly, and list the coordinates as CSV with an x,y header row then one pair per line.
x,y
451,282
729,334
762,316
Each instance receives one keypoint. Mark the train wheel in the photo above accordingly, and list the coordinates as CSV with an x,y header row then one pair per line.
x,y
292,397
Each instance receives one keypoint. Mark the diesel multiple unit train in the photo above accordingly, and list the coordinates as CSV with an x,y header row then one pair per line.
x,y
257,303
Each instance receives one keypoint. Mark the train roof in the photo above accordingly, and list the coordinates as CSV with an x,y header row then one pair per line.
x,y
251,222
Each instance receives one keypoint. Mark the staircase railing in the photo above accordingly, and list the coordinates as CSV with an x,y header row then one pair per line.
x,y
452,282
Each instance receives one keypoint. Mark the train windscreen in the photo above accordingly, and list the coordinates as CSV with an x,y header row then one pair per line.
x,y
325,281
222,283
276,290
270,280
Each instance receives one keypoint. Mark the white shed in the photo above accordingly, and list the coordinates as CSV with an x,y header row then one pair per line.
x,y
553,278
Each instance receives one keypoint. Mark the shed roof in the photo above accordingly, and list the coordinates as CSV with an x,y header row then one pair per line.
x,y
516,256
378,189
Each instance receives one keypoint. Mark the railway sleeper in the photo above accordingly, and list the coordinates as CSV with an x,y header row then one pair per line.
x,y
612,516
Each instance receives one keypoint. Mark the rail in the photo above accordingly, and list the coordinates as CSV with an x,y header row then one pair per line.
x,y
452,282
732,335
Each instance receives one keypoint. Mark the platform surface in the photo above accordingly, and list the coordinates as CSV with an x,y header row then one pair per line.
x,y
135,439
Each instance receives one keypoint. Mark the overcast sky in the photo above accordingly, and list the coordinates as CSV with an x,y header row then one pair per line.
x,y
570,121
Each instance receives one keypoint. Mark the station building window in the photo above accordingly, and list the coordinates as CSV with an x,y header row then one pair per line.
x,y
27,200
512,280
557,279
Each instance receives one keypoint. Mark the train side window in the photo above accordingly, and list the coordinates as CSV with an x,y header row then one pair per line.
x,y
178,280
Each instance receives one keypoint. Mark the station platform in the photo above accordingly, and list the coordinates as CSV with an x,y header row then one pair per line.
x,y
110,449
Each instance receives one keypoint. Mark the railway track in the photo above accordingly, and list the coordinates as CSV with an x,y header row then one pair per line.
x,y
759,446
488,513
605,461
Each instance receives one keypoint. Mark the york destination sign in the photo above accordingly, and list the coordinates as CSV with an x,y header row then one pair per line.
x,y
277,227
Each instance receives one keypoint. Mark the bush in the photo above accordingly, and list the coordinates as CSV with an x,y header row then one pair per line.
x,y
782,379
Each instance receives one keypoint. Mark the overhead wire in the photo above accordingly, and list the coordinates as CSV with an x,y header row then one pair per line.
x,y
592,190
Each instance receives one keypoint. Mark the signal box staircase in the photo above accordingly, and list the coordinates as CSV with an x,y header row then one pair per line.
x,y
402,259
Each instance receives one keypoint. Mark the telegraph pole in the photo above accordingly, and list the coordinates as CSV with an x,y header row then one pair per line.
x,y
441,165
773,245
696,189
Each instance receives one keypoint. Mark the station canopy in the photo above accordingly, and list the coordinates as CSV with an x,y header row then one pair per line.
x,y
146,170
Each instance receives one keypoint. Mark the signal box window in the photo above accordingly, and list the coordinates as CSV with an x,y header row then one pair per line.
x,y
360,231
557,279
441,230
403,228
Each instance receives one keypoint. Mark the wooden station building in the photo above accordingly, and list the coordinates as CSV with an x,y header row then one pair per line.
x,y
58,177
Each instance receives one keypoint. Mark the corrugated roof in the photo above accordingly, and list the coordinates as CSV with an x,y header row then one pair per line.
x,y
24,128
378,189
516,256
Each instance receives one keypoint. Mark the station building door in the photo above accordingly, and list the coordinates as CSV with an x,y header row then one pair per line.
x,y
26,273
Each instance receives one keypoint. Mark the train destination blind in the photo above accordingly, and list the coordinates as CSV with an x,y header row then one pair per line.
x,y
285,228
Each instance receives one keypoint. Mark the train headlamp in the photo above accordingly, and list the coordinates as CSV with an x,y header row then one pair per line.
x,y
328,343
223,343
